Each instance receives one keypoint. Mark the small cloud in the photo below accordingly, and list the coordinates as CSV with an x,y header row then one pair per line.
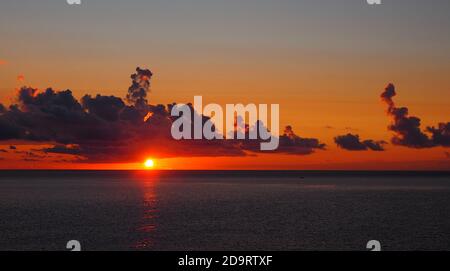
x,y
353,143
20,78
12,147
291,143
3,62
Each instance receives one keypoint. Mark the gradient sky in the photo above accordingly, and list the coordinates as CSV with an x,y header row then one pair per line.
x,y
324,61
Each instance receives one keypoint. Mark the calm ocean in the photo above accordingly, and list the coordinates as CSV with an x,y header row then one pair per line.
x,y
215,210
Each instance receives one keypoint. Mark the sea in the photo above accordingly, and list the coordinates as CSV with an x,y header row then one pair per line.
x,y
224,210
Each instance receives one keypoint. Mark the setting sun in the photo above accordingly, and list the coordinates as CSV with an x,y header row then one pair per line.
x,y
149,163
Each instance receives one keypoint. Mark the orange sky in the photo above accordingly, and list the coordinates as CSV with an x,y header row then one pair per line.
x,y
326,67
320,103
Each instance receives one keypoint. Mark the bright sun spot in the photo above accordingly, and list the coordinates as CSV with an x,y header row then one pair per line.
x,y
149,163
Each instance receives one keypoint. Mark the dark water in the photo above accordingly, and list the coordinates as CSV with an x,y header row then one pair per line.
x,y
224,210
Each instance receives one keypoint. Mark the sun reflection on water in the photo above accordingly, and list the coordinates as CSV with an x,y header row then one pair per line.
x,y
148,225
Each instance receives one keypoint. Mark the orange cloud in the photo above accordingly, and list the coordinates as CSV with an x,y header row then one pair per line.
x,y
3,62
20,78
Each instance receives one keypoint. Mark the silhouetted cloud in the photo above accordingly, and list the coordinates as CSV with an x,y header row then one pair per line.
x,y
109,129
105,107
374,145
64,149
406,128
137,92
8,130
290,142
440,135
353,143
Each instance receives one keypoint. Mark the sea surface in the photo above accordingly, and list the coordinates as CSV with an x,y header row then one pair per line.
x,y
224,210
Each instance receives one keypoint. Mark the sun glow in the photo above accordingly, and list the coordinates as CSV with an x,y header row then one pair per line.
x,y
149,163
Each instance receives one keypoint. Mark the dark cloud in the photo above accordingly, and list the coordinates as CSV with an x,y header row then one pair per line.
x,y
64,149
137,92
8,129
60,104
353,143
441,134
12,147
374,145
2,150
109,129
105,107
290,142
447,154
407,131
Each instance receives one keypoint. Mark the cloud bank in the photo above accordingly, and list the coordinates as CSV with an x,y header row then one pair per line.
x,y
111,129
